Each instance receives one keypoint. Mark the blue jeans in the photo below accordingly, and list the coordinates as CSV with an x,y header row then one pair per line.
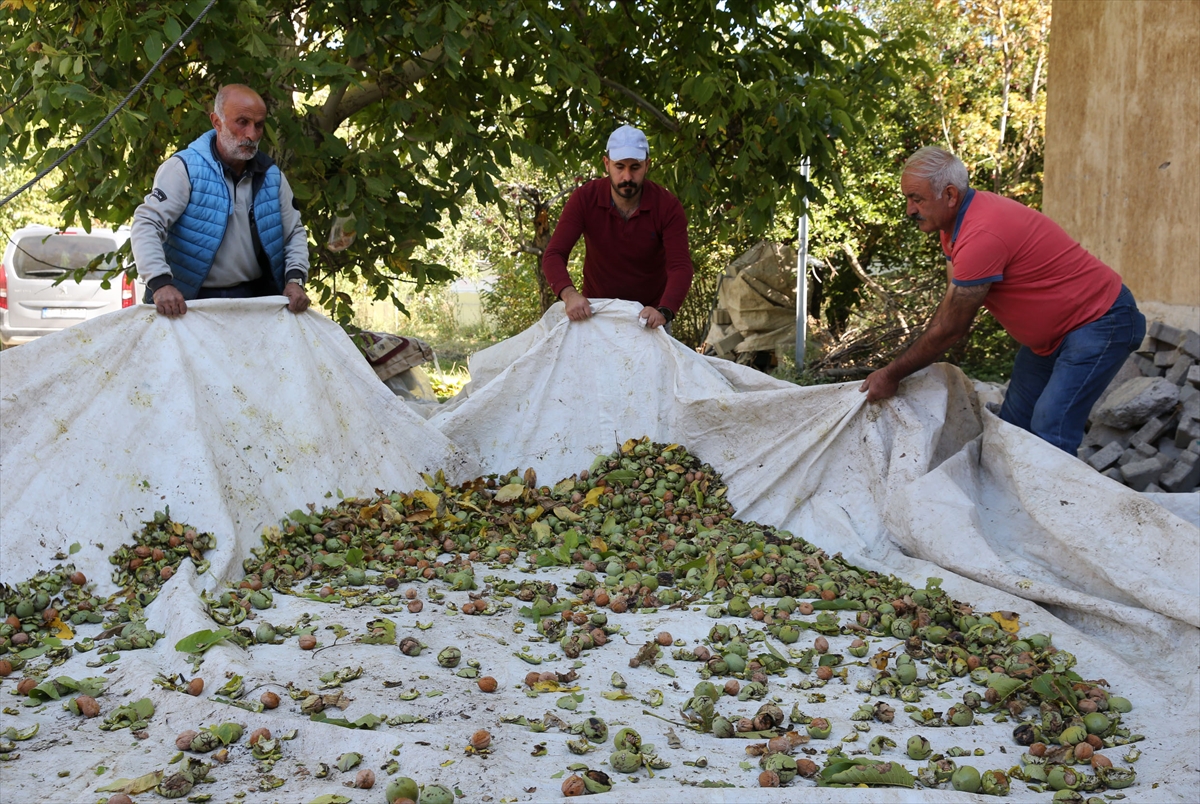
x,y
1052,396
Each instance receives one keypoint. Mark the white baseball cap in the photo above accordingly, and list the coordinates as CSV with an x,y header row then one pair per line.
x,y
628,143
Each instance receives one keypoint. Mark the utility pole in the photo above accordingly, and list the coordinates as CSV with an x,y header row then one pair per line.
x,y
802,269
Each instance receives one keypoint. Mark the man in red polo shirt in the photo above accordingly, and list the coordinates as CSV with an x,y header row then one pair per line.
x,y
636,237
1076,322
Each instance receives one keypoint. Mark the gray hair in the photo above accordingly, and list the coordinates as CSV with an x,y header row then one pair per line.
x,y
940,168
223,95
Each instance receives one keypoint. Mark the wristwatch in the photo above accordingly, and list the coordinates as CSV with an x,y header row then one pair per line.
x,y
295,280
667,314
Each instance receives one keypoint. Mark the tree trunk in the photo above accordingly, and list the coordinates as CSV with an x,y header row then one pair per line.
x,y
541,238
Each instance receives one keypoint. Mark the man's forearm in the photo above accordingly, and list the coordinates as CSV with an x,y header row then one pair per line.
x,y
678,260
295,244
932,343
157,213
562,241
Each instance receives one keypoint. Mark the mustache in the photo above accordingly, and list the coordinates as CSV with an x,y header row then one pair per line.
x,y
916,217
627,184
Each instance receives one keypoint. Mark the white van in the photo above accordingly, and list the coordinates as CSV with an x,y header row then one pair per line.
x,y
31,305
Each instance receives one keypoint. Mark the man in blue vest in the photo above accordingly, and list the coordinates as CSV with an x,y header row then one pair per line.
x,y
221,221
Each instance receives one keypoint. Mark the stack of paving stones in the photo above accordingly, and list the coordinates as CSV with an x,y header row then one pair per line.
x,y
1144,431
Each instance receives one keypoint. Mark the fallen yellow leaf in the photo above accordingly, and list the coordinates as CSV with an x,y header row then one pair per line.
x,y
427,498
566,514
509,493
1009,620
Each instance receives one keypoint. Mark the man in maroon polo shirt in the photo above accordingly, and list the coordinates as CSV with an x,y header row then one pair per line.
x,y
636,237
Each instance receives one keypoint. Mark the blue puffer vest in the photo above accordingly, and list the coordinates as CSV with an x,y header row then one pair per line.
x,y
193,240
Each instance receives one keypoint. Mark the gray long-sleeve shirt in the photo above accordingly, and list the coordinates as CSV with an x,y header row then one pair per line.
x,y
235,261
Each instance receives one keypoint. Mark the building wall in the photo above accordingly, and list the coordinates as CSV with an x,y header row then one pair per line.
x,y
1122,168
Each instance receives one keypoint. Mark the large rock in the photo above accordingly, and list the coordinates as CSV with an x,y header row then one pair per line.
x,y
1136,402
1134,366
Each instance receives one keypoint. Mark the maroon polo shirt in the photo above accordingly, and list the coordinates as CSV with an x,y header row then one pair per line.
x,y
644,259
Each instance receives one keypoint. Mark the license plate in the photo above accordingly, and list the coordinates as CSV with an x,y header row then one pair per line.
x,y
64,312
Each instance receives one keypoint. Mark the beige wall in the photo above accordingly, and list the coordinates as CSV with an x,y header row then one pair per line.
x,y
1123,140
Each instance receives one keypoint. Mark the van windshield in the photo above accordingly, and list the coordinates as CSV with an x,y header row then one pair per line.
x,y
49,257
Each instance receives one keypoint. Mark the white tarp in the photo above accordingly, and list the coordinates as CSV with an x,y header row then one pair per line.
x,y
240,412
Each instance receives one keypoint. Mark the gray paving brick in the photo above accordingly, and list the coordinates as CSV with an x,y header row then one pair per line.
x,y
1139,474
1154,429
1178,372
1166,333
1106,457
1190,344
1187,433
1129,456
1166,447
1146,366
1143,449
1184,475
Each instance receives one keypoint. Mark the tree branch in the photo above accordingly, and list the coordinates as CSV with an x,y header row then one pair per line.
x,y
353,99
874,286
668,122
327,120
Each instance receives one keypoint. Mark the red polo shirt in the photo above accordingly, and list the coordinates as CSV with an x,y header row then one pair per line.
x,y
644,259
1043,283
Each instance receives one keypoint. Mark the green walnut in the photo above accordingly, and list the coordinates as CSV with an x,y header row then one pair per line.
x,y
783,765
995,783
595,781
1060,777
1073,735
435,794
906,673
966,780
1118,704
722,727
788,634
1097,722
628,740
819,728
960,715
402,787
449,657
918,747
1117,778
595,729
735,662
625,761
